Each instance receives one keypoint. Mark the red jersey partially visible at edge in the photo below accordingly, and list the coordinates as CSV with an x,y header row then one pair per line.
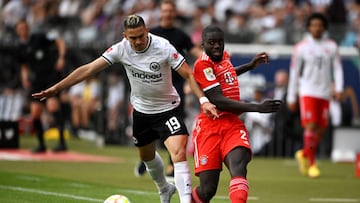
x,y
209,74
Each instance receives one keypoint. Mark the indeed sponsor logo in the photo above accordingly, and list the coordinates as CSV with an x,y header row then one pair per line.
x,y
146,76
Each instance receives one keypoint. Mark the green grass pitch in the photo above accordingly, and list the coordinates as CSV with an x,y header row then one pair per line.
x,y
271,180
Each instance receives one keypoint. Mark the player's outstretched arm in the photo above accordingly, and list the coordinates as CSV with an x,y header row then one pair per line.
x,y
74,77
225,104
262,57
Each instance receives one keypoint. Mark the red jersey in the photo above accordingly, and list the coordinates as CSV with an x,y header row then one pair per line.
x,y
209,74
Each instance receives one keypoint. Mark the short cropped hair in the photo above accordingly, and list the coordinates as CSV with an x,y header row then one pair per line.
x,y
211,28
168,2
317,16
133,21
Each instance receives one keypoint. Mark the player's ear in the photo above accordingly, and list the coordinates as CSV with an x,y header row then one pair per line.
x,y
124,35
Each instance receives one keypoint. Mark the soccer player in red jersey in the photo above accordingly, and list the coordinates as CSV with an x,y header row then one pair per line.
x,y
316,75
224,139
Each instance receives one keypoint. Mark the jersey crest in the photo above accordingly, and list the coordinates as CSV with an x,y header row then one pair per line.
x,y
154,66
209,74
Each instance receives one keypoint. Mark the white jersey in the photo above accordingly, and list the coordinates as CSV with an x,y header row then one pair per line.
x,y
315,67
149,73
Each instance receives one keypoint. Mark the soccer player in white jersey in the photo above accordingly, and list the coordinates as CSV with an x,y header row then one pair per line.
x,y
314,70
148,60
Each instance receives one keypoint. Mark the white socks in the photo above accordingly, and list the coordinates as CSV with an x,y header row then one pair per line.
x,y
182,177
155,168
183,181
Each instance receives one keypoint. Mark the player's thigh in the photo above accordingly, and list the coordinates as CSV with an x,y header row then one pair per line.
x,y
147,152
314,111
237,160
176,145
207,140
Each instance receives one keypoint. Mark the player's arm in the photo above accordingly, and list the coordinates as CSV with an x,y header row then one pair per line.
x,y
295,67
74,77
187,74
262,57
61,47
24,76
225,104
338,74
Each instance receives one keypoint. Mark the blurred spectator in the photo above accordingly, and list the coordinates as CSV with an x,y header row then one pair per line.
x,y
337,16
14,11
69,8
287,133
259,125
85,101
115,106
40,55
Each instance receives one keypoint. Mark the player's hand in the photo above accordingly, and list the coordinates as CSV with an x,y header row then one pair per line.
x,y
262,57
210,110
269,106
45,93
337,96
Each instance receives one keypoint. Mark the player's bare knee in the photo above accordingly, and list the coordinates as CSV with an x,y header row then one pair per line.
x,y
178,155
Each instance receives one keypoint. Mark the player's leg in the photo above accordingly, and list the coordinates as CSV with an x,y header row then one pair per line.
x,y
236,152
321,123
36,108
155,167
236,161
144,138
308,121
207,157
206,190
54,107
176,146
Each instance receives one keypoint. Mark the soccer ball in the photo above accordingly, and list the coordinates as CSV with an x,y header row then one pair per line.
x,y
117,199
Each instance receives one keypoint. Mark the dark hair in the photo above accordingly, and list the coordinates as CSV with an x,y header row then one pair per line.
x,y
133,21
211,28
317,16
168,2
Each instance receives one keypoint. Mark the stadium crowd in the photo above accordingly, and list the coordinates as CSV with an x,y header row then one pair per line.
x,y
244,21
99,23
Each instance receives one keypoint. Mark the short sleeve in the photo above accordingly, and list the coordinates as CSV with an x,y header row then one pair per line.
x,y
205,75
112,54
174,57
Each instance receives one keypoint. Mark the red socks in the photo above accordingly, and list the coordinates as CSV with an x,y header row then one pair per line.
x,y
310,144
239,188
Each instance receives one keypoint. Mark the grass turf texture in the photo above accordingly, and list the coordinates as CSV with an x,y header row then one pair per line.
x,y
271,180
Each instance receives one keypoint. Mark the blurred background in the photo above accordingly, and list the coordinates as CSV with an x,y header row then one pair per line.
x,y
89,27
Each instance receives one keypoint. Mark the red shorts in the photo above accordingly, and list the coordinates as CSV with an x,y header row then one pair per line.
x,y
214,139
314,110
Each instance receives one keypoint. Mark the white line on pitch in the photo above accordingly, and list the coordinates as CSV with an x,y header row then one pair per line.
x,y
56,194
333,200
